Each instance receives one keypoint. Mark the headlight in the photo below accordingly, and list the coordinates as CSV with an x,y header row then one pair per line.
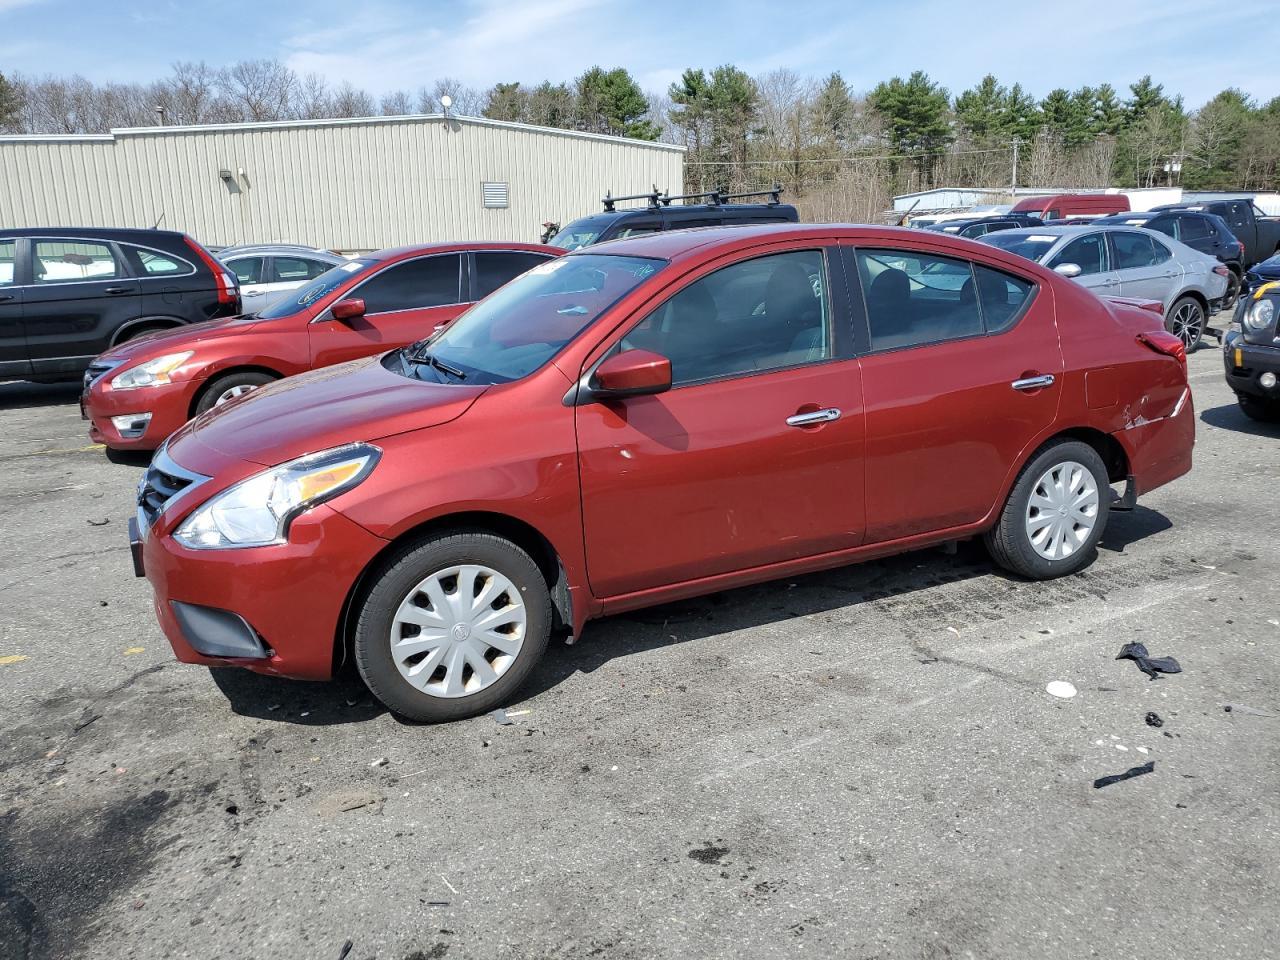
x,y
150,374
1260,315
256,512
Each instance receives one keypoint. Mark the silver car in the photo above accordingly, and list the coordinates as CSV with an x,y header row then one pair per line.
x,y
267,270
1124,262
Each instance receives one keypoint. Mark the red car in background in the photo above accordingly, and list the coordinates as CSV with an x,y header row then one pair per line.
x,y
648,420
138,393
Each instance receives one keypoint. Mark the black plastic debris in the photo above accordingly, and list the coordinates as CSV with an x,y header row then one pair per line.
x,y
1151,666
1129,774
1153,719
346,948
1241,708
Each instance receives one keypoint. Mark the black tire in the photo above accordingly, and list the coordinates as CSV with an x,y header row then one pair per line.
x,y
1255,408
1233,293
1186,320
404,572
220,385
1008,541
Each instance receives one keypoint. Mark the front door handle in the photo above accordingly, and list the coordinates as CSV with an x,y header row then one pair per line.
x,y
1033,383
6,296
116,290
816,416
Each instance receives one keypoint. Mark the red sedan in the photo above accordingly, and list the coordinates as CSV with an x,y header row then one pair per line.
x,y
649,420
140,392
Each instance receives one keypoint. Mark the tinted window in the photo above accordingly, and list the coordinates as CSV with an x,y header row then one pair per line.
x,y
1001,297
495,269
689,224
296,269
8,261
1193,228
1088,253
247,269
1169,226
915,298
316,290
156,264
761,314
425,282
636,229
1134,250
523,325
582,233
67,261
1238,214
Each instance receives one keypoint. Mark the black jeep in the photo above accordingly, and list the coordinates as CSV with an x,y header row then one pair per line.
x,y
717,209
1251,354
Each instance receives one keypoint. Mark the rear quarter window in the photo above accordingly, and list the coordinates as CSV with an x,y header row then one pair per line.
x,y
146,262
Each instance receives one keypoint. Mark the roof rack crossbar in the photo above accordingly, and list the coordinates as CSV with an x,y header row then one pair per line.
x,y
774,194
652,199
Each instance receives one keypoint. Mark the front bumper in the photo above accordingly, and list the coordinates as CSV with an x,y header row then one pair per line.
x,y
1245,363
290,598
167,404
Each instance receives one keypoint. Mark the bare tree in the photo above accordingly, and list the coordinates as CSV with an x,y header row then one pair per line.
x,y
262,90
348,101
193,94
467,101
312,101
398,103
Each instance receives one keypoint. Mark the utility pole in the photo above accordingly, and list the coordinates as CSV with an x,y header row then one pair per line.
x,y
1013,181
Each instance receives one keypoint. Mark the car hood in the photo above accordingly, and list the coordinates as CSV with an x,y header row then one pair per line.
x,y
1267,269
347,403
180,338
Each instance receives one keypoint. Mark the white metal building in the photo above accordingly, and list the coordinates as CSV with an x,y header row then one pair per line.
x,y
351,185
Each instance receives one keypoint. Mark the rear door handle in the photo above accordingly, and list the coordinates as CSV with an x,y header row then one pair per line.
x,y
116,290
1033,383
816,416
6,296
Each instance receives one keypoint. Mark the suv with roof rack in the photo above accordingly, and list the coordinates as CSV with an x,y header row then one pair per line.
x,y
658,214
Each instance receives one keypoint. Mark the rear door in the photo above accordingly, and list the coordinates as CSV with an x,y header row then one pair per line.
x,y
13,342
1145,265
963,371
1093,256
81,293
736,466
404,302
252,273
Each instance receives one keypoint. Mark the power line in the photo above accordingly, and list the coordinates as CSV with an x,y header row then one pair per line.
x,y
854,159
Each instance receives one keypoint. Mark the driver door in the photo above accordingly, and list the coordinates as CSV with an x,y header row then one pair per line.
x,y
404,302
754,456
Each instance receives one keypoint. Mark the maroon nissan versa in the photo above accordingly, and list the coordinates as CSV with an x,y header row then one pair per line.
x,y
648,420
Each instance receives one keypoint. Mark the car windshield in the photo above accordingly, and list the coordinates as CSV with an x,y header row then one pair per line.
x,y
1033,246
581,233
517,329
319,288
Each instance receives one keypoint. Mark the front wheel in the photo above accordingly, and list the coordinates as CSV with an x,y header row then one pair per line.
x,y
1055,514
453,627
1186,321
228,387
1256,408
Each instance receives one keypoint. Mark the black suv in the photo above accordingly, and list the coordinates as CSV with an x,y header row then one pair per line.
x,y
658,214
69,294
1251,354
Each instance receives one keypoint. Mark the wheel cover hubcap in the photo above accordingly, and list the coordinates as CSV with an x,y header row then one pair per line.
x,y
1062,511
231,393
1187,320
458,631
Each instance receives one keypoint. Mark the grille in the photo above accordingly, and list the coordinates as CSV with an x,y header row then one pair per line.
x,y
96,369
163,481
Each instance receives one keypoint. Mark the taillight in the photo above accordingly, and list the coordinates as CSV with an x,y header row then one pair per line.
x,y
1162,341
1222,271
226,284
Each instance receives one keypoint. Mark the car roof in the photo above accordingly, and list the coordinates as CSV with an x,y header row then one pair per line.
x,y
459,246
283,249
135,234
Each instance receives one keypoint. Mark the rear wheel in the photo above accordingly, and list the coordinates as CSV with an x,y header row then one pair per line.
x,y
1255,408
1186,321
453,627
1233,292
1055,514
228,387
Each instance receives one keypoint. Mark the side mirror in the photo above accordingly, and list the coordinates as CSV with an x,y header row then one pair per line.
x,y
631,373
1068,270
348,309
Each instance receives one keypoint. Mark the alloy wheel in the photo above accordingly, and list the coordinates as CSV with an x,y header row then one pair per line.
x,y
231,393
1062,510
1188,323
458,631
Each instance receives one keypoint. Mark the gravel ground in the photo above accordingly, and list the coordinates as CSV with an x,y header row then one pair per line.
x,y
862,763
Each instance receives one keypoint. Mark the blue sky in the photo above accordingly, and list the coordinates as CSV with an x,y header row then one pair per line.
x,y
1192,47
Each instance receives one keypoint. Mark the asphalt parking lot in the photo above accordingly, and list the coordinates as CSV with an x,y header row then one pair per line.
x,y
862,763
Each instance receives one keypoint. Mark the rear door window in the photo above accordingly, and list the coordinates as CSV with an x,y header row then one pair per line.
x,y
74,261
414,285
914,298
296,269
1193,228
247,269
1135,250
496,268
1089,253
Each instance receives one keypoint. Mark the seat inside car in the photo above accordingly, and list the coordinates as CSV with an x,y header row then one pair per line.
x,y
889,308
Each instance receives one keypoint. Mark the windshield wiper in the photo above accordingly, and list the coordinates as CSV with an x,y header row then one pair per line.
x,y
439,364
